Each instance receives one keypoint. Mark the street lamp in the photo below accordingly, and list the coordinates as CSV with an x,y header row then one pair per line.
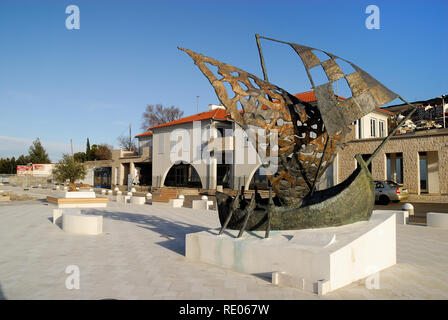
x,y
197,104
443,108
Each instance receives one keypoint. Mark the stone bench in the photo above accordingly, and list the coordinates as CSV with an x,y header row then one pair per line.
x,y
122,198
176,203
437,220
78,202
138,200
164,195
202,204
78,223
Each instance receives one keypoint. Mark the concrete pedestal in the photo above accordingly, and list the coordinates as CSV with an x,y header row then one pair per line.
x,y
437,220
123,198
75,222
315,260
138,200
83,199
402,216
176,203
202,204
78,195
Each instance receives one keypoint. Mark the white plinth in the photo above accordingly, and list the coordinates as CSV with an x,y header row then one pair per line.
x,y
75,222
202,204
78,195
176,203
402,216
123,198
315,260
138,200
57,216
83,205
437,220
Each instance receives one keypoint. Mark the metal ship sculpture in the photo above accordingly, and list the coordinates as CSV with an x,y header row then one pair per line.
x,y
309,137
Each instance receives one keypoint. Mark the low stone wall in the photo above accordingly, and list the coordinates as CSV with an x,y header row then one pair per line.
x,y
427,198
22,180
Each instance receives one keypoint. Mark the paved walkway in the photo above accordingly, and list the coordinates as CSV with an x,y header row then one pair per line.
x,y
141,256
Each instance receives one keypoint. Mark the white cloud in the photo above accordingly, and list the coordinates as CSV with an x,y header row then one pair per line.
x,y
14,147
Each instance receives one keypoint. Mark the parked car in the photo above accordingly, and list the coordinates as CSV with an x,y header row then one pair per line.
x,y
386,191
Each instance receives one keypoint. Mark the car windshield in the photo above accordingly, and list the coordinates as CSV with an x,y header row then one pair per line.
x,y
392,184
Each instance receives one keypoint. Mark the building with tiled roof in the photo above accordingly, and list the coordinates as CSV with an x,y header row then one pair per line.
x,y
153,164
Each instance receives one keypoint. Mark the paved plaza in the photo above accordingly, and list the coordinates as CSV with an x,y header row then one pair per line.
x,y
141,256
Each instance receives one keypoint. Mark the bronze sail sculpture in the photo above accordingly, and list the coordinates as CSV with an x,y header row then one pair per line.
x,y
309,138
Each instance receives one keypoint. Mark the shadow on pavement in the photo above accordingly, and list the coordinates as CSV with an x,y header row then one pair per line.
x,y
172,232
2,296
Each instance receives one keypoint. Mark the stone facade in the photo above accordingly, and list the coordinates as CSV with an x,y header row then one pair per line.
x,y
412,145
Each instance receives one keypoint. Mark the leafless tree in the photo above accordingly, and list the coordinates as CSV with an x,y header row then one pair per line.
x,y
155,115
126,143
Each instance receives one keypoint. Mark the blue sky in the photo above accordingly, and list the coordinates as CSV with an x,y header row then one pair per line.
x,y
59,84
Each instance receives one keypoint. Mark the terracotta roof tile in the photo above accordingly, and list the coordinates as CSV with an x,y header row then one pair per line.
x,y
147,133
217,114
385,111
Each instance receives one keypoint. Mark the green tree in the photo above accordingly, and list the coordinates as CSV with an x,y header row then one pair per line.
x,y
92,152
69,169
103,152
37,153
8,166
23,160
80,156
89,155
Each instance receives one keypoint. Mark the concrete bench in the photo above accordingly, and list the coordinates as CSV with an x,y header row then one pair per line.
x,y
202,204
176,203
164,195
78,223
437,220
123,198
138,200
78,202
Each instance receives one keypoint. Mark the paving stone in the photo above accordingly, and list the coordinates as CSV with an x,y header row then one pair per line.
x,y
141,256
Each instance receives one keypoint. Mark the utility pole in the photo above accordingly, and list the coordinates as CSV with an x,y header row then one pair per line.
x,y
130,139
71,146
443,110
197,104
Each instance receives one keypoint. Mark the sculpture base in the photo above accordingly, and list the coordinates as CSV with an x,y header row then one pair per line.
x,y
78,202
314,260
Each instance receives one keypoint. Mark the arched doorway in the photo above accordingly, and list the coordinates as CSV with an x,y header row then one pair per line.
x,y
183,175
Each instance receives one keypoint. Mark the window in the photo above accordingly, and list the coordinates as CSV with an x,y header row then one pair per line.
x,y
360,129
220,132
372,127
381,129
394,165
